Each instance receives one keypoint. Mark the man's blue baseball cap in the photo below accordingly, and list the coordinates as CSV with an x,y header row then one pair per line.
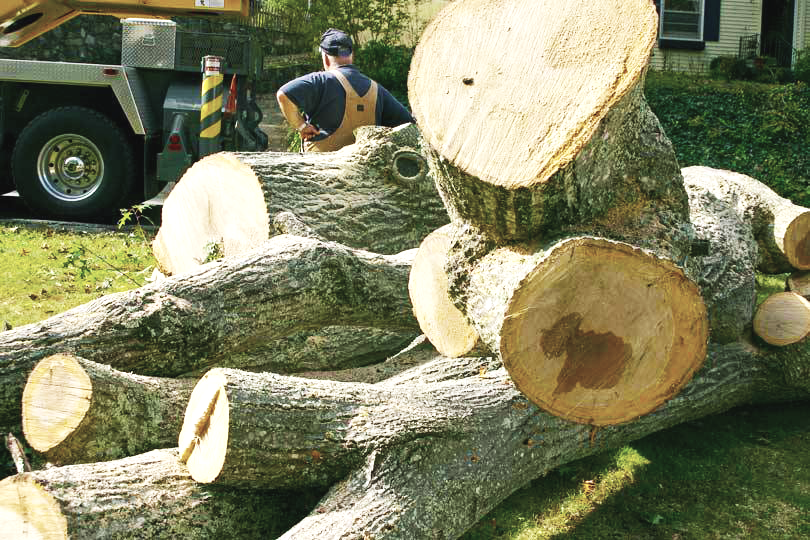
x,y
335,42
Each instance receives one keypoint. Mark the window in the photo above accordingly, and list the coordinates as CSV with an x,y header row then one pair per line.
x,y
682,19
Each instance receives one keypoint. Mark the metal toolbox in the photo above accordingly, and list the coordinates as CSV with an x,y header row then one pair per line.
x,y
148,43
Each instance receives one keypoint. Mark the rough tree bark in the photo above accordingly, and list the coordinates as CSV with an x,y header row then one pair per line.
x,y
376,194
147,496
781,228
228,307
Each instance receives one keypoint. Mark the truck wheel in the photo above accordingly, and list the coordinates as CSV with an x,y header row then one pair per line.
x,y
73,162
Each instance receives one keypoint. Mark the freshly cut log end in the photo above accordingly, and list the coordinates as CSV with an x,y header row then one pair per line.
x,y
203,440
55,400
783,318
237,222
440,320
601,332
514,119
28,512
796,241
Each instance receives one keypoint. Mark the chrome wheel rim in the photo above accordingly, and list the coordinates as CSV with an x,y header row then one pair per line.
x,y
70,167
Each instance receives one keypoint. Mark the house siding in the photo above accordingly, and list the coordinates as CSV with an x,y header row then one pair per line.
x,y
737,18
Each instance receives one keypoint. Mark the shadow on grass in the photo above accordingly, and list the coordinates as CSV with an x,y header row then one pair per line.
x,y
742,474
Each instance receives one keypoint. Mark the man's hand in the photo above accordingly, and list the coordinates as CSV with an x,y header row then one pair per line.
x,y
308,132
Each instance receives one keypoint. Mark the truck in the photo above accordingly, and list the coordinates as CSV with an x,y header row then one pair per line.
x,y
82,141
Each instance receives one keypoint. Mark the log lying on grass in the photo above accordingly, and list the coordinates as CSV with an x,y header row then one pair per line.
x,y
428,456
146,496
781,228
77,411
183,324
376,194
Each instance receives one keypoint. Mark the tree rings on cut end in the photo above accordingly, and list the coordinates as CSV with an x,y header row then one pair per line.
x,y
55,400
28,512
783,319
797,242
442,323
511,91
601,332
203,440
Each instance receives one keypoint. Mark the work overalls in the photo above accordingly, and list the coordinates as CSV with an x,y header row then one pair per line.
x,y
359,111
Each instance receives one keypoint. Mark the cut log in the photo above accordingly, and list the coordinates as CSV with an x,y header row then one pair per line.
x,y
781,228
77,411
722,260
440,320
783,318
146,496
228,307
376,194
799,282
527,145
592,330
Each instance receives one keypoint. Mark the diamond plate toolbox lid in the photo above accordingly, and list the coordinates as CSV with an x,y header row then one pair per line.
x,y
148,43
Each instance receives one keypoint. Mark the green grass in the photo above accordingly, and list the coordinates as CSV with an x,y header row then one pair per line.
x,y
742,474
44,272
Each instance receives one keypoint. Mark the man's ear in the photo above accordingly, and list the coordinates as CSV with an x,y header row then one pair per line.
x,y
325,59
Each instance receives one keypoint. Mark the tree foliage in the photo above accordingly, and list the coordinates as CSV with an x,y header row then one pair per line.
x,y
364,20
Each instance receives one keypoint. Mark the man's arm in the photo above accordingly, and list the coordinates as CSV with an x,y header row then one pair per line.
x,y
294,117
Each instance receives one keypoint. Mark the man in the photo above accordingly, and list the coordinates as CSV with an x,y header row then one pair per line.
x,y
337,100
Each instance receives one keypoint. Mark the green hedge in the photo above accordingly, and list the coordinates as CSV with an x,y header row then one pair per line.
x,y
756,129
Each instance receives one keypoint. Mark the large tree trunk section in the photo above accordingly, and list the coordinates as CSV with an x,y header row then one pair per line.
x,y
723,257
783,319
592,330
799,282
376,194
77,411
529,145
186,323
781,228
440,320
147,496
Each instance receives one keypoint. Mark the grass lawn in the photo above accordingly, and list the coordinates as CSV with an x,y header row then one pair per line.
x,y
742,474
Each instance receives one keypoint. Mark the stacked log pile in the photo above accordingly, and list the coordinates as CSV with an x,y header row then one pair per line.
x,y
586,293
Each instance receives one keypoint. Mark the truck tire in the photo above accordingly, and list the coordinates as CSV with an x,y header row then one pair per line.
x,y
75,163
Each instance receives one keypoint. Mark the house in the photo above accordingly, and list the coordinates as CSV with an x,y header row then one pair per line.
x,y
693,32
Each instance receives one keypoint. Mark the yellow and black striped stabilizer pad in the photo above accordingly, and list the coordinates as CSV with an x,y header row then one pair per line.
x,y
211,109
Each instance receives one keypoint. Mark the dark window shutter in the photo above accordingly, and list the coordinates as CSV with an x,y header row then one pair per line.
x,y
711,21
657,6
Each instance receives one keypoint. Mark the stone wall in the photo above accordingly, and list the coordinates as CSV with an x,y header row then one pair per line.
x,y
92,39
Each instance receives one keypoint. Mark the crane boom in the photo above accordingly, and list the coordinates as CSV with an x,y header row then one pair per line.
x,y
23,20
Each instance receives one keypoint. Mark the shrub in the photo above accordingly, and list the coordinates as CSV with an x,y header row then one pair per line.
x,y
730,68
759,130
386,64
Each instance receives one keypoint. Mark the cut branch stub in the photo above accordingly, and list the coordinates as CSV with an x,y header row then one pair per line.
x,y
204,438
600,332
783,318
442,323
55,400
